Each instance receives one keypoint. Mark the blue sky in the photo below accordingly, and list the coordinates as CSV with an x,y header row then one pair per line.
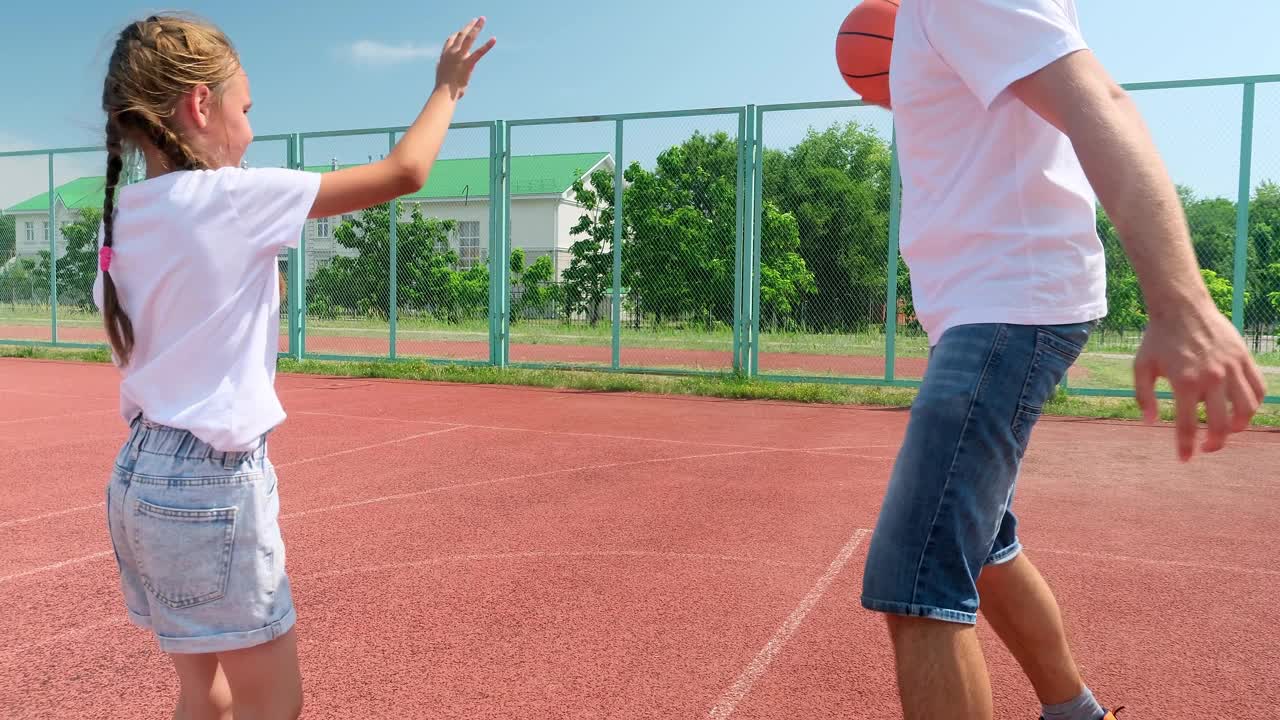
x,y
372,64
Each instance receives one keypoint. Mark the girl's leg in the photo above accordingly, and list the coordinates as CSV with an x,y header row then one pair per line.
x,y
265,681
204,694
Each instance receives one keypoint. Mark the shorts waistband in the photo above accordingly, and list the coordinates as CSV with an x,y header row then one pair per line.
x,y
148,436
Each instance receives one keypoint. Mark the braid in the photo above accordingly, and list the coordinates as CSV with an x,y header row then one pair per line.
x,y
119,327
179,154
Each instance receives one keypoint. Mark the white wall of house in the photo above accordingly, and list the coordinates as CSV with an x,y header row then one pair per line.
x,y
539,225
32,229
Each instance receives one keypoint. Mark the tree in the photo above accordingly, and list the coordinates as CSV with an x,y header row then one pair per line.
x,y
836,184
8,238
78,266
427,272
1125,309
533,291
681,238
589,277
1212,222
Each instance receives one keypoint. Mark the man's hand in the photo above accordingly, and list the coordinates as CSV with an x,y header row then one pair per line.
x,y
1187,340
1205,360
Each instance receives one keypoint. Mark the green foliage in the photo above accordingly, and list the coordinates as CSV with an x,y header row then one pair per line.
x,y
589,277
534,294
429,279
8,238
1220,290
836,184
78,267
679,241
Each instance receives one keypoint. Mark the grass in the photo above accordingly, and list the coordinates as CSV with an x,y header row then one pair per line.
x,y
714,386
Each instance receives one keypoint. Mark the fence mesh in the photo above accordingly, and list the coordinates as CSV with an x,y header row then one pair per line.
x,y
442,255
824,241
680,237
823,232
1197,131
346,260
80,180
561,220
1262,299
25,313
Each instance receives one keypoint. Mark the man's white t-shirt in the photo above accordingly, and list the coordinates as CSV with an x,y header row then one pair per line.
x,y
998,218
195,269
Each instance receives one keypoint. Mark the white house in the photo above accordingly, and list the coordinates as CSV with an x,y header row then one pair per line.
x,y
543,208
31,216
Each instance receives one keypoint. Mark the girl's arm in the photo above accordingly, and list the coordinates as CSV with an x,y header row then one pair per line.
x,y
406,168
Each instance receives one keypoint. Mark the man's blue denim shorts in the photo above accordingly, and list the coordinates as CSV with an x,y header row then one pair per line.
x,y
948,512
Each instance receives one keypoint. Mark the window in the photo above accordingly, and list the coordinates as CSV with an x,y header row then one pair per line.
x,y
44,230
31,233
322,227
469,243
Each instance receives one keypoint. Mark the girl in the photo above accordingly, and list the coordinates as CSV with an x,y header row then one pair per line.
x,y
189,296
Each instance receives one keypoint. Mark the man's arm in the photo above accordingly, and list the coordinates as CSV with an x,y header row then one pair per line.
x,y
1187,340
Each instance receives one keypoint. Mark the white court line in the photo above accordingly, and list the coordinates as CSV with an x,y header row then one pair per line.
x,y
56,513
84,508
370,447
57,395
56,417
736,692
1153,561
510,478
59,637
55,566
536,555
606,436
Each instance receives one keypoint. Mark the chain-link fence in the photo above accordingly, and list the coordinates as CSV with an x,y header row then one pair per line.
x,y
758,240
655,290
824,218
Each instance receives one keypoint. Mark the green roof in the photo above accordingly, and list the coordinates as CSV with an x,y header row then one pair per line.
x,y
85,192
530,175
464,177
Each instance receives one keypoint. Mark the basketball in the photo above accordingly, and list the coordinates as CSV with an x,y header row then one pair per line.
x,y
864,46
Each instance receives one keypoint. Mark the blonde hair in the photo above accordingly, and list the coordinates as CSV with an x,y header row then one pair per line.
x,y
155,63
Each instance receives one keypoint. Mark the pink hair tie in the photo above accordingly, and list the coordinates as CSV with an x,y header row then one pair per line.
x,y
104,259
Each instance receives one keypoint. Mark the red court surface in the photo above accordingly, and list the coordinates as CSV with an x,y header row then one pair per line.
x,y
480,552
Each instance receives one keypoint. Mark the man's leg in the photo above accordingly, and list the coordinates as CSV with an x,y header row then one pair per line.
x,y
1022,610
941,671
946,513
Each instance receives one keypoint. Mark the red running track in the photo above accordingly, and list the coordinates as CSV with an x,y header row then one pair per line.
x,y
479,552
635,357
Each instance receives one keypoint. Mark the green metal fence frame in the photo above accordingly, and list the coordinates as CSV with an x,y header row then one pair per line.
x,y
743,188
749,212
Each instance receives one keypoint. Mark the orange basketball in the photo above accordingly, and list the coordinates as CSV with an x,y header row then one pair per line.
x,y
864,46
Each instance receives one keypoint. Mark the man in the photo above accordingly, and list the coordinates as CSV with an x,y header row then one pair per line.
x,y
1006,126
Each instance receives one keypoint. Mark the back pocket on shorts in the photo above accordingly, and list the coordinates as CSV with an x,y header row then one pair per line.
x,y
183,555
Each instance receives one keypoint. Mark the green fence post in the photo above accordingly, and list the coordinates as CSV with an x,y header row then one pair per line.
x,y
505,325
499,210
301,273
891,274
739,254
291,271
393,302
1240,276
53,260
617,246
757,195
495,220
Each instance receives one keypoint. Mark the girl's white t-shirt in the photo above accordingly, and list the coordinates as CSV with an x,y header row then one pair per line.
x,y
194,265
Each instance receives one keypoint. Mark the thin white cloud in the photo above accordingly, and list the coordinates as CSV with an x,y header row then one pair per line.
x,y
372,52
